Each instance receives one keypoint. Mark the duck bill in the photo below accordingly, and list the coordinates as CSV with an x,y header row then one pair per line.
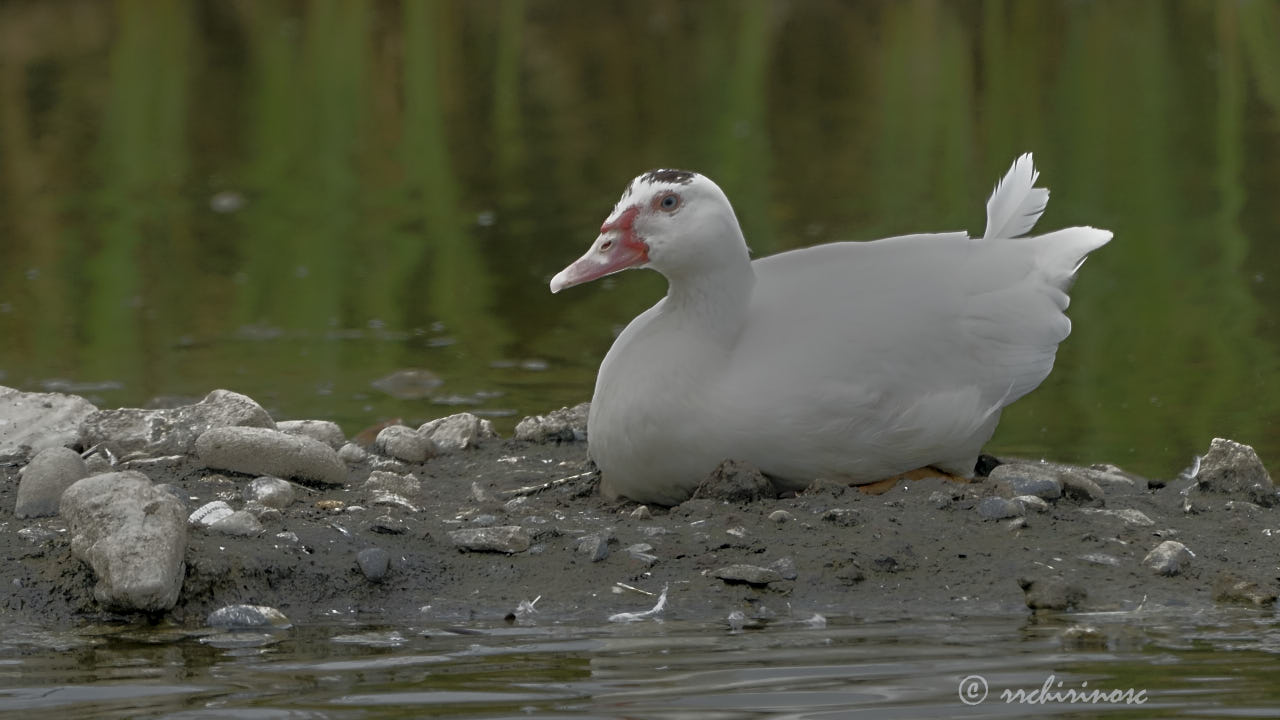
x,y
622,254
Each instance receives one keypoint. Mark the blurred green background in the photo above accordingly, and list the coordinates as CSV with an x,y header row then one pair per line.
x,y
292,200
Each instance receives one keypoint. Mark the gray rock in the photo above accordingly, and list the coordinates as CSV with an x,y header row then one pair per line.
x,y
735,482
266,515
642,552
501,538
325,431
248,617
172,431
1031,502
747,574
1029,479
387,525
1232,468
262,451
998,508
44,479
240,523
271,492
1168,558
31,422
1129,515
595,546
843,517
389,482
563,425
374,563
457,432
1106,474
393,500
352,454
781,516
642,513
1051,593
404,443
1082,489
133,535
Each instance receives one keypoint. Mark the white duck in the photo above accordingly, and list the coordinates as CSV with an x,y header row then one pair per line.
x,y
854,361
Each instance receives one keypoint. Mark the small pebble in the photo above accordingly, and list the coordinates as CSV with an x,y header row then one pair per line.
x,y
748,574
1168,558
594,546
843,517
642,513
390,499
508,539
404,443
1081,489
388,482
271,491
781,516
241,523
1029,479
1129,515
998,508
352,454
247,617
1032,502
387,525
374,563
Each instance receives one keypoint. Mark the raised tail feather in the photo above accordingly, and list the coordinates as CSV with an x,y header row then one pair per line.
x,y
1016,204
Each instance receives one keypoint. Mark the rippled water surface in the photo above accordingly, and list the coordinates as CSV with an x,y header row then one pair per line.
x,y
804,668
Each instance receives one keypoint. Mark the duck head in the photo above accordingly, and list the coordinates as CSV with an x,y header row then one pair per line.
x,y
673,221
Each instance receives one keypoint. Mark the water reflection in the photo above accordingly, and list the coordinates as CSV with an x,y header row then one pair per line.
x,y
172,177
668,669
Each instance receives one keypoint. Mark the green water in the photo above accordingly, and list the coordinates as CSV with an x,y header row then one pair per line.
x,y
293,200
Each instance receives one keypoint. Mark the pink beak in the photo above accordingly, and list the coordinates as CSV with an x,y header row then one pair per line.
x,y
617,248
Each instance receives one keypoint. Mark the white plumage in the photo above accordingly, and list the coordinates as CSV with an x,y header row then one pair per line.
x,y
852,361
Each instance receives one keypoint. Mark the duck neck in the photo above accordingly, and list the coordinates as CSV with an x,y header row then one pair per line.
x,y
713,302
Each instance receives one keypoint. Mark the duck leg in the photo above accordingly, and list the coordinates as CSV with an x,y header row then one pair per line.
x,y
881,487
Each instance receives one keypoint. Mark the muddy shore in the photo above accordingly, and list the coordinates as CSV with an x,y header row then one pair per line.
x,y
922,548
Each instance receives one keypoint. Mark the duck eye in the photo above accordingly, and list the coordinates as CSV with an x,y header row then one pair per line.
x,y
669,202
